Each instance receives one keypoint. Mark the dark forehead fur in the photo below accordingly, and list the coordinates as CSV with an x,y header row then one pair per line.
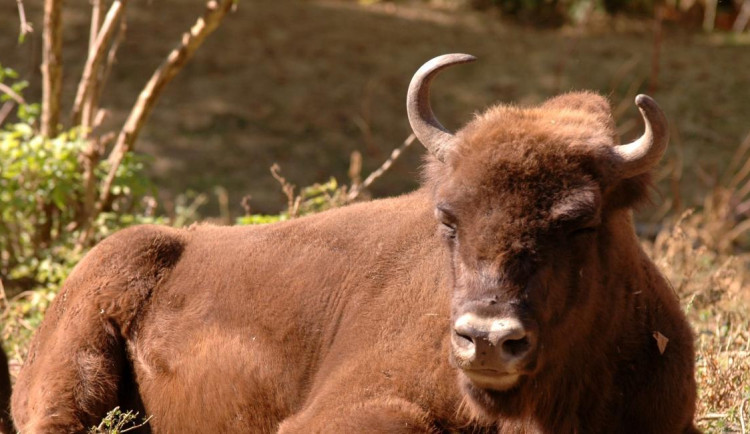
x,y
556,145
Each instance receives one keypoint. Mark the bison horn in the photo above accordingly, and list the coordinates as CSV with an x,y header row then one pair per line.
x,y
641,155
433,135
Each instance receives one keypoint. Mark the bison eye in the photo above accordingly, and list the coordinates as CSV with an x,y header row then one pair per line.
x,y
582,231
448,221
449,231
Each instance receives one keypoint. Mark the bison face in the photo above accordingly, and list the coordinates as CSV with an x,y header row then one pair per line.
x,y
523,236
531,204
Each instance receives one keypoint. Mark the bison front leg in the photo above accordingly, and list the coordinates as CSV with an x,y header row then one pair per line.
x,y
385,415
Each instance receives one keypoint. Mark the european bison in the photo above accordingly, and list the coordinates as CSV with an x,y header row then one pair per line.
x,y
508,294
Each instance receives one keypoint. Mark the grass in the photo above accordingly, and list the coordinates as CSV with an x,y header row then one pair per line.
x,y
705,256
713,290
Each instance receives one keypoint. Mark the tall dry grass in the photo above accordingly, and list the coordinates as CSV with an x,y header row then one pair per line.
x,y
705,253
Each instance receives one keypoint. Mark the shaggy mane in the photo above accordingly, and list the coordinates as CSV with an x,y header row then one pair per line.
x,y
568,130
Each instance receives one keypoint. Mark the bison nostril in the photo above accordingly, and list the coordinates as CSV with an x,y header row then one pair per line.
x,y
516,347
464,340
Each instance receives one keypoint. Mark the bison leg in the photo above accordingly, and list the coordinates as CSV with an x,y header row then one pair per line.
x,y
71,376
77,361
384,415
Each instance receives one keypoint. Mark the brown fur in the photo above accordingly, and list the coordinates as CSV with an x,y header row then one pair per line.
x,y
340,321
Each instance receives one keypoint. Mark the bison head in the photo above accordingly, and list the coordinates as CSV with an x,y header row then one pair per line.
x,y
534,206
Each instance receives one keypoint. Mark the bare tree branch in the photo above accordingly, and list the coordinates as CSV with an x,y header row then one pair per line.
x,y
91,117
91,114
742,18
4,88
89,107
5,111
709,15
51,67
96,20
213,14
357,189
89,158
288,189
26,27
96,54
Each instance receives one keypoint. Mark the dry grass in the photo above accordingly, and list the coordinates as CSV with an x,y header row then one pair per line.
x,y
713,290
704,254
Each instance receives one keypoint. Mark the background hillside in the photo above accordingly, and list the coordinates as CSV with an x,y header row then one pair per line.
x,y
304,84
309,85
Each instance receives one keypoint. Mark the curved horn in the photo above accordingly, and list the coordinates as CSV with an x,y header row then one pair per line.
x,y
426,127
641,155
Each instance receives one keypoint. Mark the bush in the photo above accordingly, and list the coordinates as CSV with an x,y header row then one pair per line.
x,y
116,422
41,195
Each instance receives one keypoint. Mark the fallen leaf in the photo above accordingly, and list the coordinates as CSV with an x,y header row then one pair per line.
x,y
661,341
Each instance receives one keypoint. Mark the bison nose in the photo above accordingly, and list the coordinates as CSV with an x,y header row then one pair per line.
x,y
490,343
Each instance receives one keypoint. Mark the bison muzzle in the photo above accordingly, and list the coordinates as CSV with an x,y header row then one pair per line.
x,y
508,294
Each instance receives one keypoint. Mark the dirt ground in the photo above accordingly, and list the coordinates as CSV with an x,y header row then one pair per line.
x,y
304,84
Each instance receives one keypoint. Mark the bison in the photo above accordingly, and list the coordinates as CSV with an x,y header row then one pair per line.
x,y
508,294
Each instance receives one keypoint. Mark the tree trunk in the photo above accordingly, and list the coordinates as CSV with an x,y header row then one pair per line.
x,y
51,67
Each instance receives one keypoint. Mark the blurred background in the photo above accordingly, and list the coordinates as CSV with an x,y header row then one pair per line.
x,y
316,90
303,84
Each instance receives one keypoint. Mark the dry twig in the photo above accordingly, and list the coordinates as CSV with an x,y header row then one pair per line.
x,y
288,189
92,115
3,296
96,18
709,15
134,427
357,189
89,106
112,55
26,27
5,111
96,55
742,18
4,88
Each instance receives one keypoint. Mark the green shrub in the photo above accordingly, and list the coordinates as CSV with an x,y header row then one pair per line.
x,y
117,422
41,200
41,197
311,199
